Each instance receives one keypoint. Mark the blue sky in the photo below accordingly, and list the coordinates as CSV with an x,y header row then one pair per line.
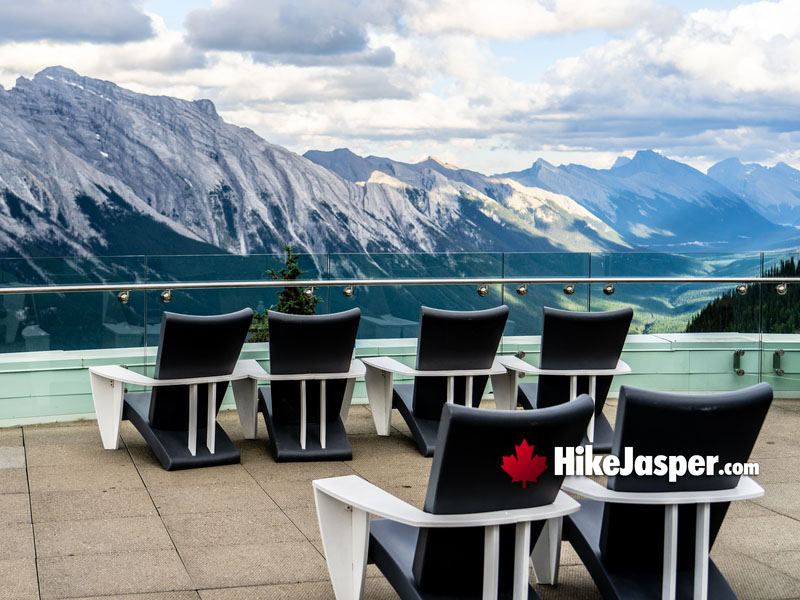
x,y
488,86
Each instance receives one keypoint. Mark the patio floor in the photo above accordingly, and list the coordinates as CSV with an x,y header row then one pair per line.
x,y
77,521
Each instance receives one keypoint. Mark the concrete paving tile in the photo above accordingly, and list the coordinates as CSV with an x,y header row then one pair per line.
x,y
231,528
189,595
785,562
12,457
574,583
773,445
747,508
89,455
386,474
753,536
16,541
269,470
305,519
755,580
11,436
62,433
232,566
210,498
109,574
14,508
289,494
18,579
374,589
227,474
101,536
413,494
360,421
375,446
90,504
782,498
13,481
777,470
64,478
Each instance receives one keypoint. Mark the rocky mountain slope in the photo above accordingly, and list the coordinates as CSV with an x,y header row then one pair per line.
x,y
87,167
662,204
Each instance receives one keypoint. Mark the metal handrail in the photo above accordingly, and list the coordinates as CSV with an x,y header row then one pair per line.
x,y
314,283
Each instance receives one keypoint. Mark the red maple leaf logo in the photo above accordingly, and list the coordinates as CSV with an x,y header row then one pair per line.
x,y
524,466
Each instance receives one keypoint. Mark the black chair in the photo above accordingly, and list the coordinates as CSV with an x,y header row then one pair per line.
x,y
479,523
306,421
459,347
189,347
577,341
621,537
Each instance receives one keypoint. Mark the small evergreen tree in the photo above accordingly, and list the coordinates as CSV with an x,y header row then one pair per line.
x,y
291,300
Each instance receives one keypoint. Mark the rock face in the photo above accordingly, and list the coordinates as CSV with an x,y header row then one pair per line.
x,y
658,203
87,167
772,191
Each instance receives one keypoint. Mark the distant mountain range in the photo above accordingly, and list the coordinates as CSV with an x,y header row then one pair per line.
x,y
89,168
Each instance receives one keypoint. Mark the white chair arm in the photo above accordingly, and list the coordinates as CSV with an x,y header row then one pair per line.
x,y
390,365
357,369
123,375
583,486
512,363
358,493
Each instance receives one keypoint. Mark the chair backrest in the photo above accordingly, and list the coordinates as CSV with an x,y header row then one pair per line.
x,y
310,344
194,346
454,339
662,423
467,475
580,340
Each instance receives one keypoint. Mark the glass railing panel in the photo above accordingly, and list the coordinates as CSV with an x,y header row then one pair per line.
x,y
525,317
393,311
72,320
221,268
722,321
780,321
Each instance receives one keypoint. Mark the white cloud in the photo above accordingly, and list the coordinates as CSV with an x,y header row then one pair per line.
x,y
518,19
110,21
289,31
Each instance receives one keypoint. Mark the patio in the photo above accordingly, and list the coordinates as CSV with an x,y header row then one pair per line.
x,y
77,521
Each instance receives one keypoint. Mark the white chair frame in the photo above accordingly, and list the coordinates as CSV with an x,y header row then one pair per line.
x,y
344,505
514,366
747,489
379,377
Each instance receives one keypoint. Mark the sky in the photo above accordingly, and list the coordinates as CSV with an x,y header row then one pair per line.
x,y
489,86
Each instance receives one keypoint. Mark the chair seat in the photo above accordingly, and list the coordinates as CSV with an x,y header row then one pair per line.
x,y
603,433
582,530
170,447
423,430
391,549
284,438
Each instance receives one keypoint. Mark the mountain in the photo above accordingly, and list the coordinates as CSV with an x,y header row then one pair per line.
x,y
503,207
772,191
660,204
89,168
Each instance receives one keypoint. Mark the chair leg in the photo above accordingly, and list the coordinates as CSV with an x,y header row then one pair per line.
x,y
701,551
505,388
491,561
345,539
546,555
379,394
211,417
193,419
245,393
303,416
669,575
522,560
323,414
